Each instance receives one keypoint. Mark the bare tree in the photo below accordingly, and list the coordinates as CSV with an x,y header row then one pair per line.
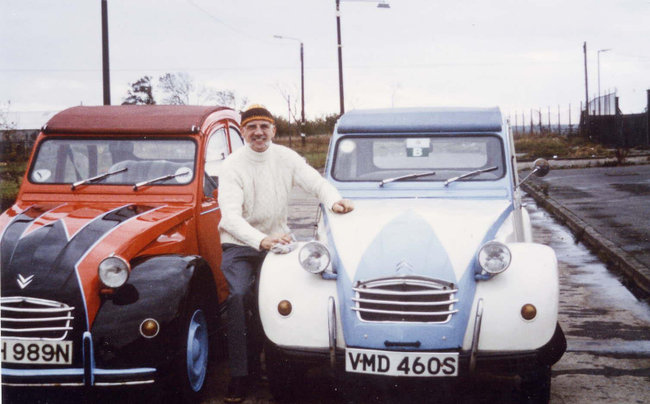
x,y
177,88
228,98
5,122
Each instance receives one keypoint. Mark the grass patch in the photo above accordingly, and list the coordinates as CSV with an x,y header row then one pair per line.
x,y
550,146
314,148
11,176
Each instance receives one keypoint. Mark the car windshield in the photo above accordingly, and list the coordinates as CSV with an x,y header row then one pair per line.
x,y
376,158
127,161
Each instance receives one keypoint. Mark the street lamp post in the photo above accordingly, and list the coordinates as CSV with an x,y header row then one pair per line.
x,y
598,62
380,4
302,74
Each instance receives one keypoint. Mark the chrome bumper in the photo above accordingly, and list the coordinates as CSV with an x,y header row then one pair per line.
x,y
87,376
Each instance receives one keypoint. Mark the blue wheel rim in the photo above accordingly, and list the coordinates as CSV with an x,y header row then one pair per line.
x,y
197,350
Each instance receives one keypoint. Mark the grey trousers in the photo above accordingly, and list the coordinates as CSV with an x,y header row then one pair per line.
x,y
240,265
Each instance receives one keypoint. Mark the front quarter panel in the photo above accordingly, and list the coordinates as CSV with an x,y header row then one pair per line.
x,y
157,288
282,278
531,278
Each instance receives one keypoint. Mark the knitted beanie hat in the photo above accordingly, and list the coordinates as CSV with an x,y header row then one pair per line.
x,y
256,112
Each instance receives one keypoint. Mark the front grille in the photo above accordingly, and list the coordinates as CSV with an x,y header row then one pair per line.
x,y
31,318
405,299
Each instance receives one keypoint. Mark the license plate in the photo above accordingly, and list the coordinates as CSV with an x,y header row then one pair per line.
x,y
408,364
37,352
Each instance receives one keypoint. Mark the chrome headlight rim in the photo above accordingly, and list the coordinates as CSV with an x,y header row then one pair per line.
x,y
494,257
314,253
113,271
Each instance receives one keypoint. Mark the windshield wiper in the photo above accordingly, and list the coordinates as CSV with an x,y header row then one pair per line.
x,y
163,178
95,178
406,177
470,174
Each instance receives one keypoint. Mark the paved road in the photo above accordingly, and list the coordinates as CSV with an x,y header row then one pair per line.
x,y
614,202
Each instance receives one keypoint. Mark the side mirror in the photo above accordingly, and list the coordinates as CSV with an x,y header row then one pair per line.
x,y
541,167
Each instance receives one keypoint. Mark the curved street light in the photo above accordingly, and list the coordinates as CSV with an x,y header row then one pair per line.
x,y
302,73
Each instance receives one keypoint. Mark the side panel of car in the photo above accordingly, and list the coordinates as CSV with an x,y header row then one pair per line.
x,y
282,278
157,289
530,279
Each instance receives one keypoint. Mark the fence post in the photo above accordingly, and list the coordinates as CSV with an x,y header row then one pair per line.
x,y
647,115
618,124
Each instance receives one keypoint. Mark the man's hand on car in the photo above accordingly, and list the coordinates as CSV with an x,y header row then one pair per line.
x,y
343,206
269,241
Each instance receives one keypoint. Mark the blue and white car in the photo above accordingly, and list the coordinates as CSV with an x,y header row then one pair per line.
x,y
433,275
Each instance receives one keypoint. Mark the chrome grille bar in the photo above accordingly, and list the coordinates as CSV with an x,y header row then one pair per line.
x,y
20,314
372,301
405,299
407,313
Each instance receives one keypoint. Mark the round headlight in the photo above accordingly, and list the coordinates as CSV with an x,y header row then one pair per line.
x,y
494,257
314,257
113,272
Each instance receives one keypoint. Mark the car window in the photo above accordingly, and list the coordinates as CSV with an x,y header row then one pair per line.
x,y
217,152
65,160
236,140
368,158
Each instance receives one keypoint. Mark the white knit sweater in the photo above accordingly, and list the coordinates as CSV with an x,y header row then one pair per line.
x,y
254,192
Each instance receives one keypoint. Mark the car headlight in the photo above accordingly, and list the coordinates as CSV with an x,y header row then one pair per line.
x,y
314,257
494,257
113,271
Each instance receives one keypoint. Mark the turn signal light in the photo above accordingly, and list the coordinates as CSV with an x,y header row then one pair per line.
x,y
284,307
149,328
528,311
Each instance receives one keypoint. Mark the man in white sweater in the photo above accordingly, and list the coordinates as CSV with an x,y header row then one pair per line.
x,y
254,187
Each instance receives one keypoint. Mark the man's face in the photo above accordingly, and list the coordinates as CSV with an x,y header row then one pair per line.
x,y
258,134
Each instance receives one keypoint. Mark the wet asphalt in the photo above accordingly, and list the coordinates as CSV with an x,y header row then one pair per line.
x,y
609,209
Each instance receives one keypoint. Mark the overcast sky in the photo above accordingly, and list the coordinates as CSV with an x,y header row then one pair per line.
x,y
516,54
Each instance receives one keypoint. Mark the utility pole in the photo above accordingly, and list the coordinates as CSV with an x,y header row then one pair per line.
x,y
584,49
105,64
340,50
289,117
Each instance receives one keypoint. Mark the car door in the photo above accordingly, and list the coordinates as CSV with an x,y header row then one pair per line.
x,y
216,151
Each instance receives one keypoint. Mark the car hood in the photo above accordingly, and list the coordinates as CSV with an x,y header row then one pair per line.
x,y
430,239
420,232
52,251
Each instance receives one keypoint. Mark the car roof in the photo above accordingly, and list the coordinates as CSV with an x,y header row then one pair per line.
x,y
132,119
411,120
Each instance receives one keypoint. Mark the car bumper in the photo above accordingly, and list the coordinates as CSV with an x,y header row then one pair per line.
x,y
87,376
74,377
507,362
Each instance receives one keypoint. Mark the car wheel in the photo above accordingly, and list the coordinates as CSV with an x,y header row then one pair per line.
x,y
191,365
536,386
284,376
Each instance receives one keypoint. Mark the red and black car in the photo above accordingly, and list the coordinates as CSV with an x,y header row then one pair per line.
x,y
110,256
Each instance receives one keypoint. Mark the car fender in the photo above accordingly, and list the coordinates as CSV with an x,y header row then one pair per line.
x,y
531,278
158,288
282,278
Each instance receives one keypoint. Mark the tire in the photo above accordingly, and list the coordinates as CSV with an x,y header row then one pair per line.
x,y
284,376
536,386
190,367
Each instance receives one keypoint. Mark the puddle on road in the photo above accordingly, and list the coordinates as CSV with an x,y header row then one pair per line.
x,y
581,272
